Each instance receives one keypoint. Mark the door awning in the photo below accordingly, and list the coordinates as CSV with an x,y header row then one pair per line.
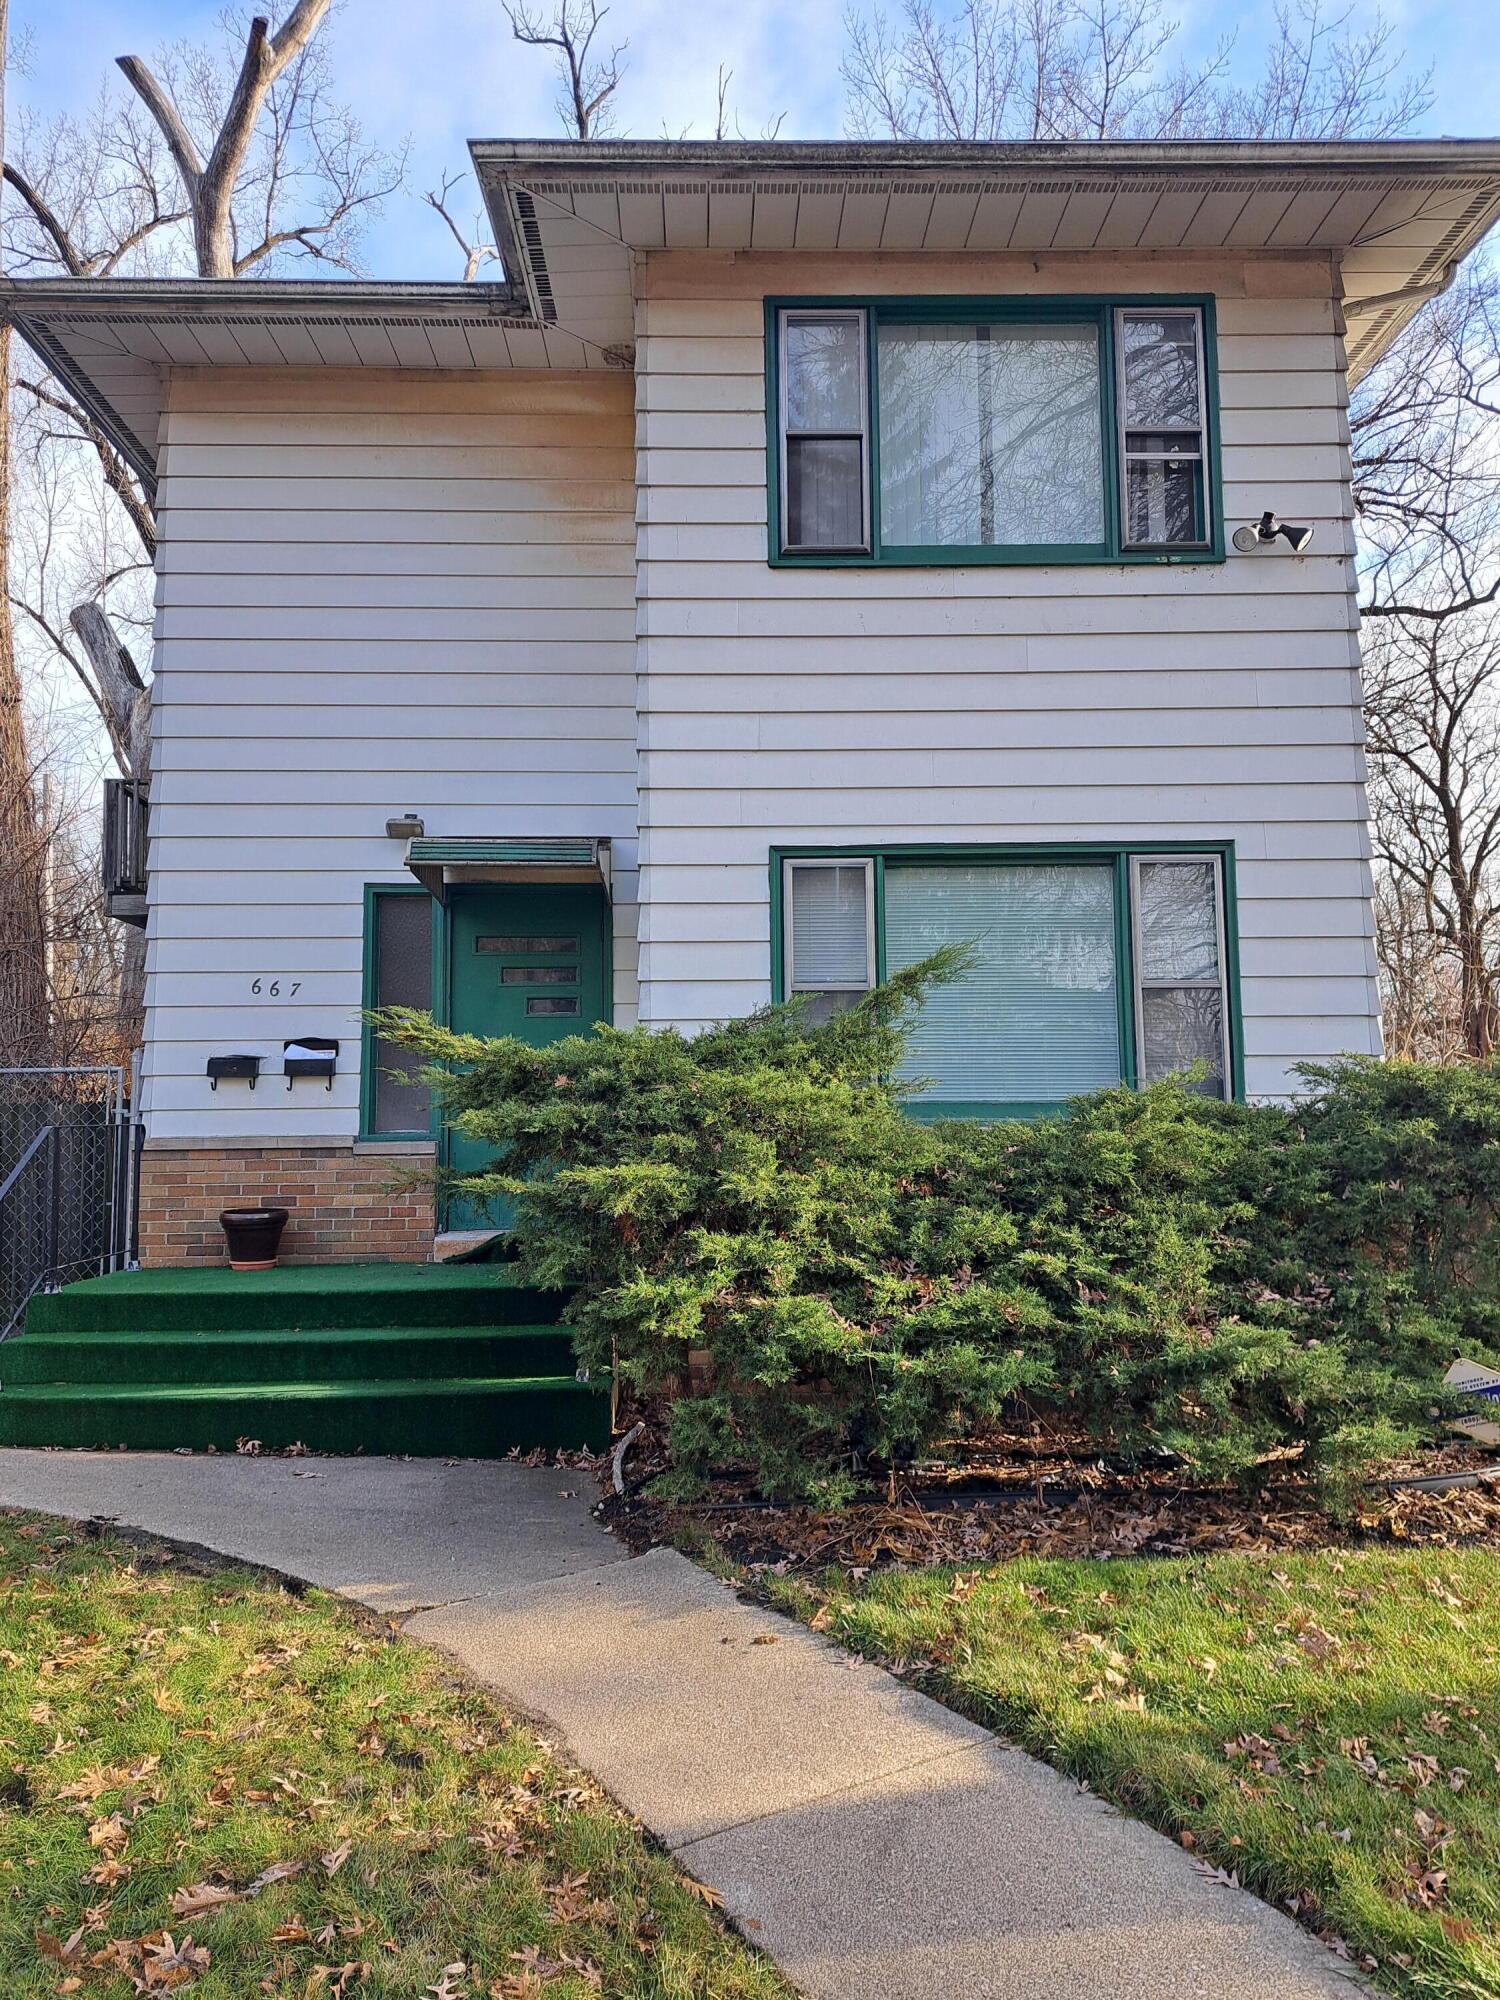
x,y
438,864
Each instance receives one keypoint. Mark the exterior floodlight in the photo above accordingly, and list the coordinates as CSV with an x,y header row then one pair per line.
x,y
406,826
1266,529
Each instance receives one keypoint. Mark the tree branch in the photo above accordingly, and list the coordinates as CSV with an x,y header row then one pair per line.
x,y
47,220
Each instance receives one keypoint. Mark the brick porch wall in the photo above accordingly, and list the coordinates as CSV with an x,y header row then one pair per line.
x,y
342,1208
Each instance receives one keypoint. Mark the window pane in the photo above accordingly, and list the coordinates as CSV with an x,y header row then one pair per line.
x,y
1181,1025
1177,920
825,493
403,978
820,1007
1159,361
990,436
1037,1019
1164,500
824,366
830,928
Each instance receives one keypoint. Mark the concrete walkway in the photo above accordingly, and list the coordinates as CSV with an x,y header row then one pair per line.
x,y
868,1839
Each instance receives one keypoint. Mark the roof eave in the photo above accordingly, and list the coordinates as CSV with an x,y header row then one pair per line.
x,y
1096,157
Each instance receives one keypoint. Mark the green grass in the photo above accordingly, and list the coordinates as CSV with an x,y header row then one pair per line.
x,y
165,1726
1326,1726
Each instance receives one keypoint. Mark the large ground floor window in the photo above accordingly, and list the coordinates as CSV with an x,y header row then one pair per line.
x,y
1091,966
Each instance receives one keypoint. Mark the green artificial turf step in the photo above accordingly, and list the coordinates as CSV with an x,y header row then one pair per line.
x,y
353,1353
464,1417
298,1297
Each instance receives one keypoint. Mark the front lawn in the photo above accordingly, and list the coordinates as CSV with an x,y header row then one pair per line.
x,y
1324,1725
210,1785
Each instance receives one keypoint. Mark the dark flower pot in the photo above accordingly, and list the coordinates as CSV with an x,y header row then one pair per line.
x,y
253,1236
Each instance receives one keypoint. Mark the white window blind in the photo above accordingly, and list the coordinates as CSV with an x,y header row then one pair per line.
x,y
831,932
1037,1018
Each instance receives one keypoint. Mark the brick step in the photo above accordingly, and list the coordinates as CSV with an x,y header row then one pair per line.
x,y
296,1298
355,1353
461,1417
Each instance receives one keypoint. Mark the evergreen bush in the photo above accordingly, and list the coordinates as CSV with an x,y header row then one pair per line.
x,y
1234,1287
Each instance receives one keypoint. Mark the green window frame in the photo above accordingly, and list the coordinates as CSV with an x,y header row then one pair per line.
x,y
371,986
1123,859
1125,449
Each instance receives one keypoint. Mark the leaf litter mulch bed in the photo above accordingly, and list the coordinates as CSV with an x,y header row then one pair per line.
x,y
1019,1495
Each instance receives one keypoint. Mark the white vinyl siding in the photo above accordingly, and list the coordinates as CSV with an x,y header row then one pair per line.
x,y
377,593
861,707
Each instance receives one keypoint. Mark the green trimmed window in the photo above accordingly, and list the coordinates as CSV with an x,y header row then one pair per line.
x,y
969,431
1091,967
399,930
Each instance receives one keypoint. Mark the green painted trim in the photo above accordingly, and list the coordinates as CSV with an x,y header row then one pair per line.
x,y
1124,969
1095,308
1114,854
368,1000
1232,954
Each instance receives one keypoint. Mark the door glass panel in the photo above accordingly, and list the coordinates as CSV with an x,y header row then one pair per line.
x,y
1037,1018
403,978
539,975
521,945
551,1004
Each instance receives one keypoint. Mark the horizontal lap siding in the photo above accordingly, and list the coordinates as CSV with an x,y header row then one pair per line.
x,y
792,707
376,593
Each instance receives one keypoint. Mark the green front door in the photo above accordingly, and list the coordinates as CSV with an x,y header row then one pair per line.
x,y
529,960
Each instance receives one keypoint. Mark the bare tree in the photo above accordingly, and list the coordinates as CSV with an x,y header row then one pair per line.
x,y
1426,472
473,240
226,161
23,1000
587,80
1102,69
1434,731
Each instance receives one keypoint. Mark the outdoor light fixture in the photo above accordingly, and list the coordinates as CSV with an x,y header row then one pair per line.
x,y
406,826
1266,530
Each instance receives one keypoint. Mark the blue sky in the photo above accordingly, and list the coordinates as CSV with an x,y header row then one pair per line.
x,y
443,71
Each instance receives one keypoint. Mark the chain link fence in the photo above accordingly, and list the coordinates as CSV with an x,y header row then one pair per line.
x,y
67,1181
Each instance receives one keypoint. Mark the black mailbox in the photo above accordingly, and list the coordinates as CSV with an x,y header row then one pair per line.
x,y
309,1055
232,1069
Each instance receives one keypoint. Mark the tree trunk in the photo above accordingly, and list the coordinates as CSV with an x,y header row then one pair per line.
x,y
23,969
23,972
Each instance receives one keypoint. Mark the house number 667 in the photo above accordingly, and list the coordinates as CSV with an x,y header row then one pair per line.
x,y
272,987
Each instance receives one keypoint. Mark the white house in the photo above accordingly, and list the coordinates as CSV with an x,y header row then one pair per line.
x,y
816,552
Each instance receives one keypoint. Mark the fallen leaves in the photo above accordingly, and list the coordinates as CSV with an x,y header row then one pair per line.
x,y
201,1896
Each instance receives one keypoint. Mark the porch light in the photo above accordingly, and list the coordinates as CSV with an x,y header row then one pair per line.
x,y
406,826
1266,529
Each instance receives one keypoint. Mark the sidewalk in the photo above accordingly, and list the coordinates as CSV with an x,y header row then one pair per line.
x,y
867,1838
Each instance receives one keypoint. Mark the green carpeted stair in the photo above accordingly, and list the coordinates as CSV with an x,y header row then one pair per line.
x,y
430,1359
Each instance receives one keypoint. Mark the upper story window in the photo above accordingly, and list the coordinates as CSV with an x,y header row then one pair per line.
x,y
1032,431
